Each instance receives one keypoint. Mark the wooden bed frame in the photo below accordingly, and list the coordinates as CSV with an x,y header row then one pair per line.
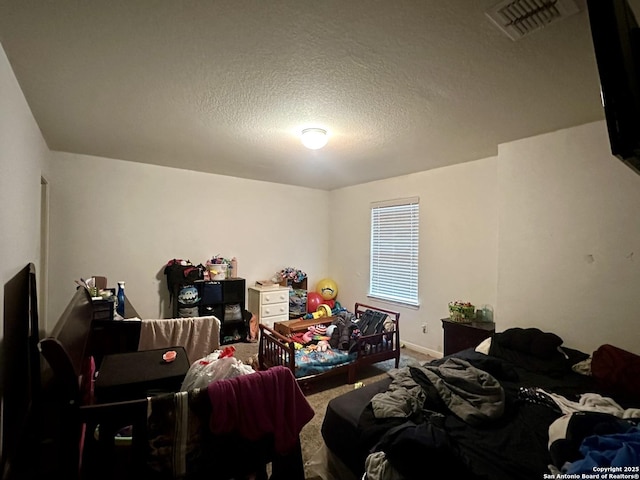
x,y
276,349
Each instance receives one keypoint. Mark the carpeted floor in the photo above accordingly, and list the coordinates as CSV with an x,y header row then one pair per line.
x,y
321,392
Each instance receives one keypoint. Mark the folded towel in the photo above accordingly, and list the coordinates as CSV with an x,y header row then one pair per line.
x,y
198,335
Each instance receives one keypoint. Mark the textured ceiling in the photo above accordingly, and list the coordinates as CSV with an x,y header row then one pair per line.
x,y
226,86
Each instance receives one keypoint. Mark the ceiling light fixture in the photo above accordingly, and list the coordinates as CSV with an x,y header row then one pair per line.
x,y
314,138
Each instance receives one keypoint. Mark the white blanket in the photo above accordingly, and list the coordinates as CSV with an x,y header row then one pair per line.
x,y
592,402
198,335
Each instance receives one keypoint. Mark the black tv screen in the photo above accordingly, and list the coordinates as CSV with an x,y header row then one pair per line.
x,y
19,373
615,34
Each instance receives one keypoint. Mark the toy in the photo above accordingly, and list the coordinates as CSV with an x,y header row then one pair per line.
x,y
319,329
169,356
307,337
314,299
291,275
322,311
327,288
188,295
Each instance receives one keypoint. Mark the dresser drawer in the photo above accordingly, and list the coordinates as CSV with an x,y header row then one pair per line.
x,y
271,321
275,309
269,306
279,296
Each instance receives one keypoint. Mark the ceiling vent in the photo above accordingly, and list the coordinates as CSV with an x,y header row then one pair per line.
x,y
518,18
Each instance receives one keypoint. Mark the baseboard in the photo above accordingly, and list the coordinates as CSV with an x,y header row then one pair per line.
x,y
421,349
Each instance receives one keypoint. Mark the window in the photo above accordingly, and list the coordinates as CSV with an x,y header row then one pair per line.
x,y
394,250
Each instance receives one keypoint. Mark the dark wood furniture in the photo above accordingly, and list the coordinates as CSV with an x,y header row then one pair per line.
x,y
459,336
80,417
109,336
299,325
19,374
70,415
132,375
297,289
224,299
73,434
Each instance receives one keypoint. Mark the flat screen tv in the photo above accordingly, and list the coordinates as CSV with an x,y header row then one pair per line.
x,y
19,373
615,34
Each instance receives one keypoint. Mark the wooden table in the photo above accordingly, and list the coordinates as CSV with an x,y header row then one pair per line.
x,y
300,325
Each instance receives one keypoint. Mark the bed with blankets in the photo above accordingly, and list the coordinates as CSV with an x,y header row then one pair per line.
x,y
520,405
333,345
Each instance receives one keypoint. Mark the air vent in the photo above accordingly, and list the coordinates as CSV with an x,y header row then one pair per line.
x,y
518,18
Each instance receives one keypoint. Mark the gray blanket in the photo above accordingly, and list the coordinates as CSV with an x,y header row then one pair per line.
x,y
471,394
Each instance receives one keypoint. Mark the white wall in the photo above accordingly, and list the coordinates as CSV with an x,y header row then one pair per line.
x,y
126,220
23,155
547,232
458,243
569,240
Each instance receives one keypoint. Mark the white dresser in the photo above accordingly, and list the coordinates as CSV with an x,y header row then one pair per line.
x,y
269,305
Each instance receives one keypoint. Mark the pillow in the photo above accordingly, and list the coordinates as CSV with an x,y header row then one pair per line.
x,y
574,356
484,346
616,369
583,367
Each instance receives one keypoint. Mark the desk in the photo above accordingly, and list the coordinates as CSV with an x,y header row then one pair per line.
x,y
134,375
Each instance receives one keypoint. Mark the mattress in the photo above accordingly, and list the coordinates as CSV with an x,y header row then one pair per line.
x,y
339,428
499,451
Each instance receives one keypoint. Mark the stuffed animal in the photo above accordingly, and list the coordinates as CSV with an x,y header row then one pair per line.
x,y
307,337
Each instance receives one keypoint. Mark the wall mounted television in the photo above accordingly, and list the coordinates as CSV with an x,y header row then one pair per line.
x,y
616,41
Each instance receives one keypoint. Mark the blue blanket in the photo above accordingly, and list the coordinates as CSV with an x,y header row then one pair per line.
x,y
311,362
616,450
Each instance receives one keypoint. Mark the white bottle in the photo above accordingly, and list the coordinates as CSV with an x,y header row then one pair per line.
x,y
234,268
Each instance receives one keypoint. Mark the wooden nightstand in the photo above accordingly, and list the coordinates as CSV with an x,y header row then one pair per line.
x,y
459,336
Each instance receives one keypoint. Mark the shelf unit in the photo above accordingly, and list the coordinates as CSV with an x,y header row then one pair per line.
x,y
224,299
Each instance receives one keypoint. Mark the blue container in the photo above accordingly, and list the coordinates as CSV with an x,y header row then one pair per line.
x,y
120,307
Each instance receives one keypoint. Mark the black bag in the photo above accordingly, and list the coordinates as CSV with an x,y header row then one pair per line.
x,y
371,322
181,272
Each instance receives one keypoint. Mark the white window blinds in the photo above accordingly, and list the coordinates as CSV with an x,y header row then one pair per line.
x,y
394,250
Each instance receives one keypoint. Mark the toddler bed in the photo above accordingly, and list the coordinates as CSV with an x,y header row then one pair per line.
x,y
365,336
